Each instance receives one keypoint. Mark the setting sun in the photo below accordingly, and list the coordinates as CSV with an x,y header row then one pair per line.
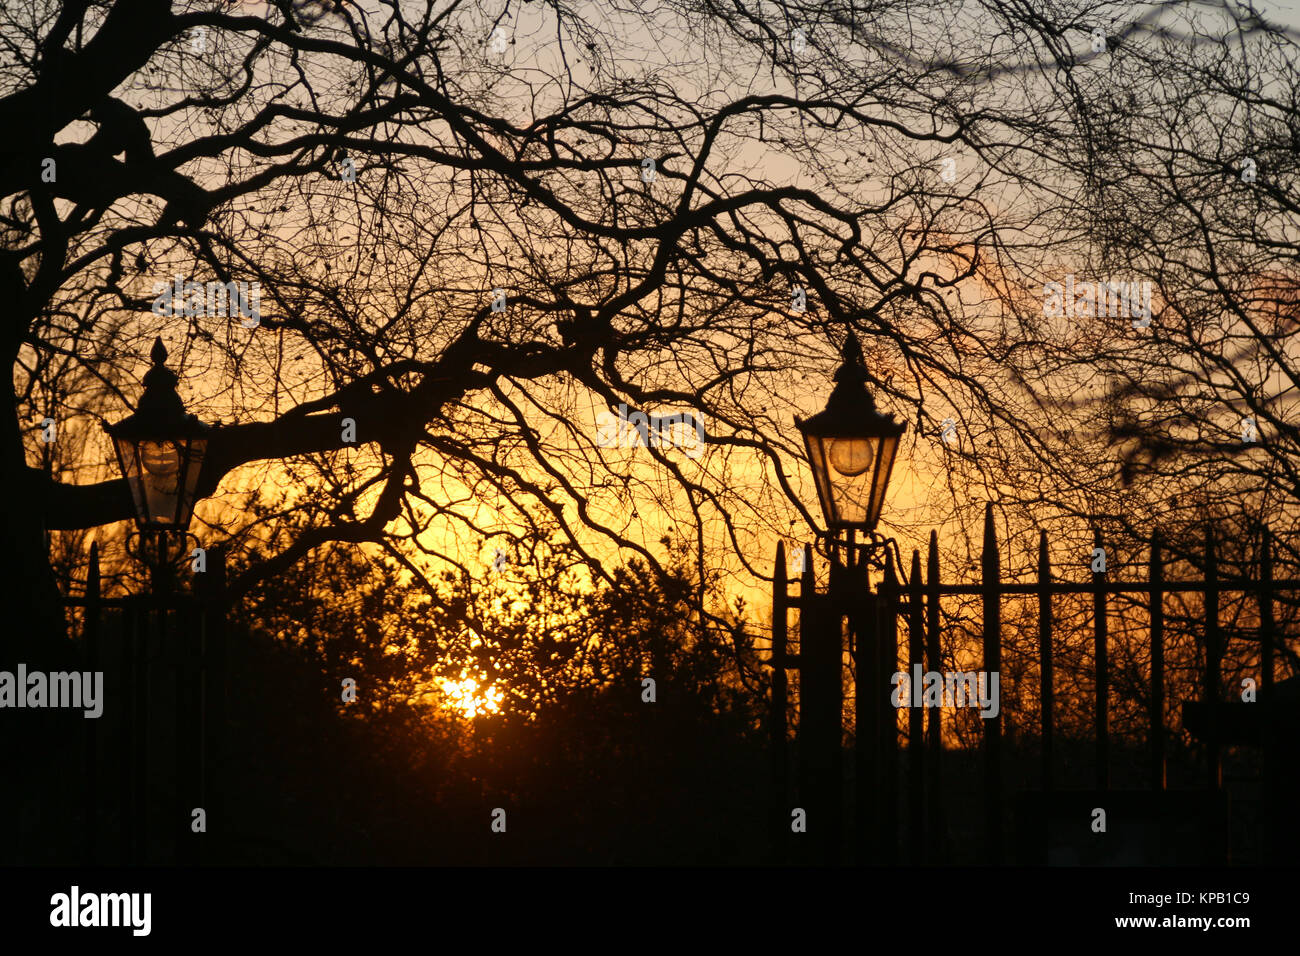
x,y
463,696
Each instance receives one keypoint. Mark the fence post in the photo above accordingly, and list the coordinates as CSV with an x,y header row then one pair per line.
x,y
916,713
887,723
820,709
185,642
1266,639
153,618
1101,660
1266,624
866,767
1214,771
212,768
1045,656
780,808
125,739
934,715
992,600
91,633
1157,613
808,599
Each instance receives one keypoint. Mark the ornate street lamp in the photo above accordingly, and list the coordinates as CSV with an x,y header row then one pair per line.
x,y
160,450
851,447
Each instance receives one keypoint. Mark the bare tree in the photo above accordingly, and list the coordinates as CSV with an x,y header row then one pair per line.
x,y
476,229
381,171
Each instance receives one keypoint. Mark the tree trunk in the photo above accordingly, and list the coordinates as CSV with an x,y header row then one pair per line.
x,y
35,743
29,598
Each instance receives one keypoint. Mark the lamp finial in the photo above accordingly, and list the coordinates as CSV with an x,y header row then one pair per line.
x,y
852,351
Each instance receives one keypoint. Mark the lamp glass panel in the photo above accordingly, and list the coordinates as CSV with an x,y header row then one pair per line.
x,y
880,479
851,495
154,471
845,467
129,459
817,457
195,451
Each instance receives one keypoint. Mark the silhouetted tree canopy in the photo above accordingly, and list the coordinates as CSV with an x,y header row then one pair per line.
x,y
475,229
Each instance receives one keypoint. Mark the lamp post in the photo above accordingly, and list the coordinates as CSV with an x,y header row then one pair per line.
x,y
851,447
160,450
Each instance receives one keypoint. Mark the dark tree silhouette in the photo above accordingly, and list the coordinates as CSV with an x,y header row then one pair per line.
x,y
381,175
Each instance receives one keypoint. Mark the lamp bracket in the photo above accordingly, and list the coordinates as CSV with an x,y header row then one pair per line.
x,y
869,551
159,548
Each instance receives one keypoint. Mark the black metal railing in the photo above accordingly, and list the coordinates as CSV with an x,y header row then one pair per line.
x,y
852,615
